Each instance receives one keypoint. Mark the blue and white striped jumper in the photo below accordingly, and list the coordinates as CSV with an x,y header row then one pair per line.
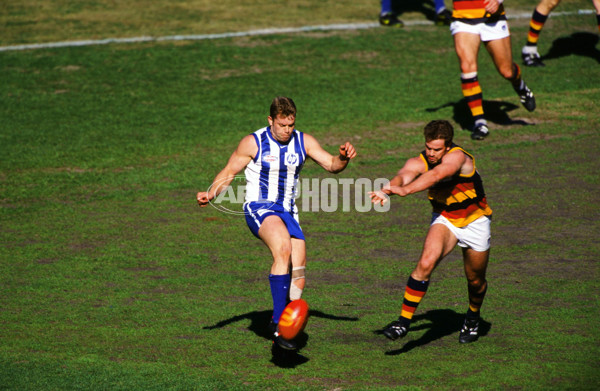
x,y
272,176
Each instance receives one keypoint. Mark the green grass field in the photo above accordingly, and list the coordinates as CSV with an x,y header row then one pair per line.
x,y
112,278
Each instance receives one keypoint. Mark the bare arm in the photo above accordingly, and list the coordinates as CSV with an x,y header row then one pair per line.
x,y
239,159
333,164
413,177
411,170
450,165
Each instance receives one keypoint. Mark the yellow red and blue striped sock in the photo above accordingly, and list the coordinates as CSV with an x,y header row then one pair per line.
x,y
535,27
516,80
476,296
413,294
472,92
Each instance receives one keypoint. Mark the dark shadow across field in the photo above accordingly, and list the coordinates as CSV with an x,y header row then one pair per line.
x,y
424,7
439,324
579,44
495,112
259,321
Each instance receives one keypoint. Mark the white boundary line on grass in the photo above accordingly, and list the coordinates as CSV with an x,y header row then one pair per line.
x,y
329,27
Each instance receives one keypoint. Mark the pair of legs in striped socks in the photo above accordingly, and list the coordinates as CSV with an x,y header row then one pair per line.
x,y
439,243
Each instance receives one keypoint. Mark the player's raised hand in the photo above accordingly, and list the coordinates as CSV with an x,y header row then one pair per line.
x,y
347,151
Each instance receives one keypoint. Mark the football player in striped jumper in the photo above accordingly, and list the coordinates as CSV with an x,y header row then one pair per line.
x,y
476,21
461,215
272,158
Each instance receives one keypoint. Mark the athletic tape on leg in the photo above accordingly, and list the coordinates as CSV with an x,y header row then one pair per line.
x,y
297,273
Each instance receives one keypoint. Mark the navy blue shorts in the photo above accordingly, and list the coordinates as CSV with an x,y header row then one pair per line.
x,y
257,212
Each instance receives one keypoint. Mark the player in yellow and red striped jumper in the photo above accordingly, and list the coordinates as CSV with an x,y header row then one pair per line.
x,y
461,215
474,22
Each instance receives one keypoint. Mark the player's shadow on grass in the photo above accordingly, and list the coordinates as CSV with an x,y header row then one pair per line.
x,y
424,7
259,321
580,44
439,324
495,112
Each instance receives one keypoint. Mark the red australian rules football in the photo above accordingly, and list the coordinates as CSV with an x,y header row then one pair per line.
x,y
293,319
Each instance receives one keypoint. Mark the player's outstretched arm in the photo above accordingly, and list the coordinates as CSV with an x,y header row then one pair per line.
x,y
414,177
450,165
411,170
333,164
239,159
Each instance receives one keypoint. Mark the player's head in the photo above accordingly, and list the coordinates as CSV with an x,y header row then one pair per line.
x,y
439,130
282,118
282,106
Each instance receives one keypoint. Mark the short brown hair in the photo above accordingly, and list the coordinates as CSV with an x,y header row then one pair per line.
x,y
284,106
439,130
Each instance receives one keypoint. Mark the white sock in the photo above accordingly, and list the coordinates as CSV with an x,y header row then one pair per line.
x,y
529,49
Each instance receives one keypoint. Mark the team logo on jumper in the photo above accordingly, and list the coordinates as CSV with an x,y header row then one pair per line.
x,y
270,158
291,158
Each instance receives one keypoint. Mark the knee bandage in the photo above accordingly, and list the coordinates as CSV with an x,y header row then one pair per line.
x,y
297,273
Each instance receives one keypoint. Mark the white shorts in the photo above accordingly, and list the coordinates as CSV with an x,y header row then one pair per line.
x,y
486,31
476,235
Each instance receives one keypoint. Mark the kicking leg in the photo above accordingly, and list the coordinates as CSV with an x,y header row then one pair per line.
x,y
275,235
